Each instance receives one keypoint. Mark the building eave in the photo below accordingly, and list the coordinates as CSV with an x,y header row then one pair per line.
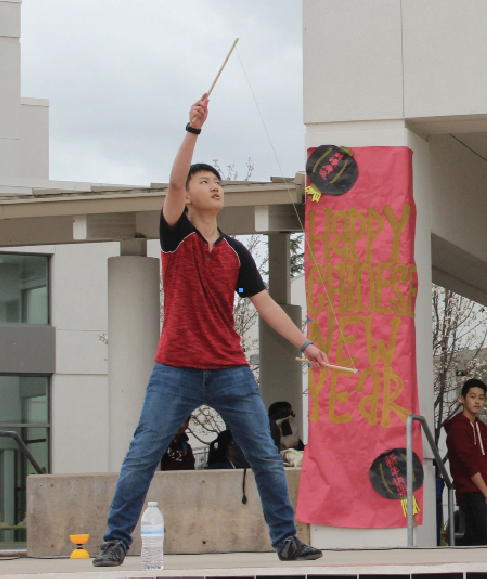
x,y
39,216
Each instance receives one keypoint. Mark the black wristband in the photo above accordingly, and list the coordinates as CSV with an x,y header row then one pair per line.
x,y
192,130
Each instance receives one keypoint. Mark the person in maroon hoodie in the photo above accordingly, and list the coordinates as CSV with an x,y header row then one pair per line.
x,y
466,441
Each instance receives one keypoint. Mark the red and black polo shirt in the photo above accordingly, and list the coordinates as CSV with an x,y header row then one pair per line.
x,y
199,285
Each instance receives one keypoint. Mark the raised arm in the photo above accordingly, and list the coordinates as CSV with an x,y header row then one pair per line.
x,y
277,318
176,192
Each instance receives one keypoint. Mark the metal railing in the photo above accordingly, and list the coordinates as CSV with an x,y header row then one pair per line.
x,y
200,454
25,451
441,466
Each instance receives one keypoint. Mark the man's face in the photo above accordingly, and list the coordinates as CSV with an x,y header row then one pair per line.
x,y
473,401
204,191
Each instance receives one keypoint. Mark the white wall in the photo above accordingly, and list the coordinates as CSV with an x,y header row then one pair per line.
x,y
352,65
459,180
24,123
79,291
9,89
79,433
460,212
445,57
34,138
9,70
391,59
80,385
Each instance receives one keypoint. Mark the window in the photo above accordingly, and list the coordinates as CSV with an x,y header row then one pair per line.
x,y
24,296
24,408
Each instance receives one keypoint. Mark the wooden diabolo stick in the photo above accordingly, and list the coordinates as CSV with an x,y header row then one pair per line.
x,y
344,368
220,71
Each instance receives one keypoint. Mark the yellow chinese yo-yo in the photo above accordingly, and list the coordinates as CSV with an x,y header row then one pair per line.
x,y
79,540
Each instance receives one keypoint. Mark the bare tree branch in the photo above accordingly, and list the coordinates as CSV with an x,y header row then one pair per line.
x,y
459,338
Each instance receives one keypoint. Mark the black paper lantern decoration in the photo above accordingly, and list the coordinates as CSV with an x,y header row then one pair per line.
x,y
388,474
332,170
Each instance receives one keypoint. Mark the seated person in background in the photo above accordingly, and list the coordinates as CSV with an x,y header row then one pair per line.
x,y
179,455
283,415
466,441
221,451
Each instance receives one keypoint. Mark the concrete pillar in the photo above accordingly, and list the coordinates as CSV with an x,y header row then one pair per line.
x,y
280,267
396,133
133,336
279,374
425,535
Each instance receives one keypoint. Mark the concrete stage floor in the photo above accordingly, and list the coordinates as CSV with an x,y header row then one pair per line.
x,y
351,563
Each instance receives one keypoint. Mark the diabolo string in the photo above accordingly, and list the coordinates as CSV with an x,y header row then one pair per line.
x,y
310,250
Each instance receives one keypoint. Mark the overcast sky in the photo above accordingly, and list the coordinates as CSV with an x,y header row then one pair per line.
x,y
121,75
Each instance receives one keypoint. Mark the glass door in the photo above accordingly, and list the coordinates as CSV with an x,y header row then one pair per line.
x,y
24,408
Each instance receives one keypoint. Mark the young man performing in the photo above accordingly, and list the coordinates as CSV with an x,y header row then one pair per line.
x,y
467,440
200,359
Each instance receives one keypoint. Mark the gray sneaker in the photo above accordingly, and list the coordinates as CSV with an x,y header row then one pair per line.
x,y
111,554
295,550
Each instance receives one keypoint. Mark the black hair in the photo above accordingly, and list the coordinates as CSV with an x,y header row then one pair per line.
x,y
279,410
219,447
473,383
198,168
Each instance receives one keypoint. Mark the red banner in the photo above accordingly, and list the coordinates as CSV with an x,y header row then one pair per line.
x,y
361,285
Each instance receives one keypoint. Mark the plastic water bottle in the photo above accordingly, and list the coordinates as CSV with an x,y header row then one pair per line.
x,y
152,535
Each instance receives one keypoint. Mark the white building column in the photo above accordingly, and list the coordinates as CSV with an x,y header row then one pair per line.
x,y
280,375
396,133
10,130
133,336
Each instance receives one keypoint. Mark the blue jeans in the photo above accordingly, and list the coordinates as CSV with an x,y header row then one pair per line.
x,y
173,393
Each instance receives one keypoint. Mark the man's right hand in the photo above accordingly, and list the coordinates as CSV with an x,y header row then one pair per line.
x,y
199,112
176,192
